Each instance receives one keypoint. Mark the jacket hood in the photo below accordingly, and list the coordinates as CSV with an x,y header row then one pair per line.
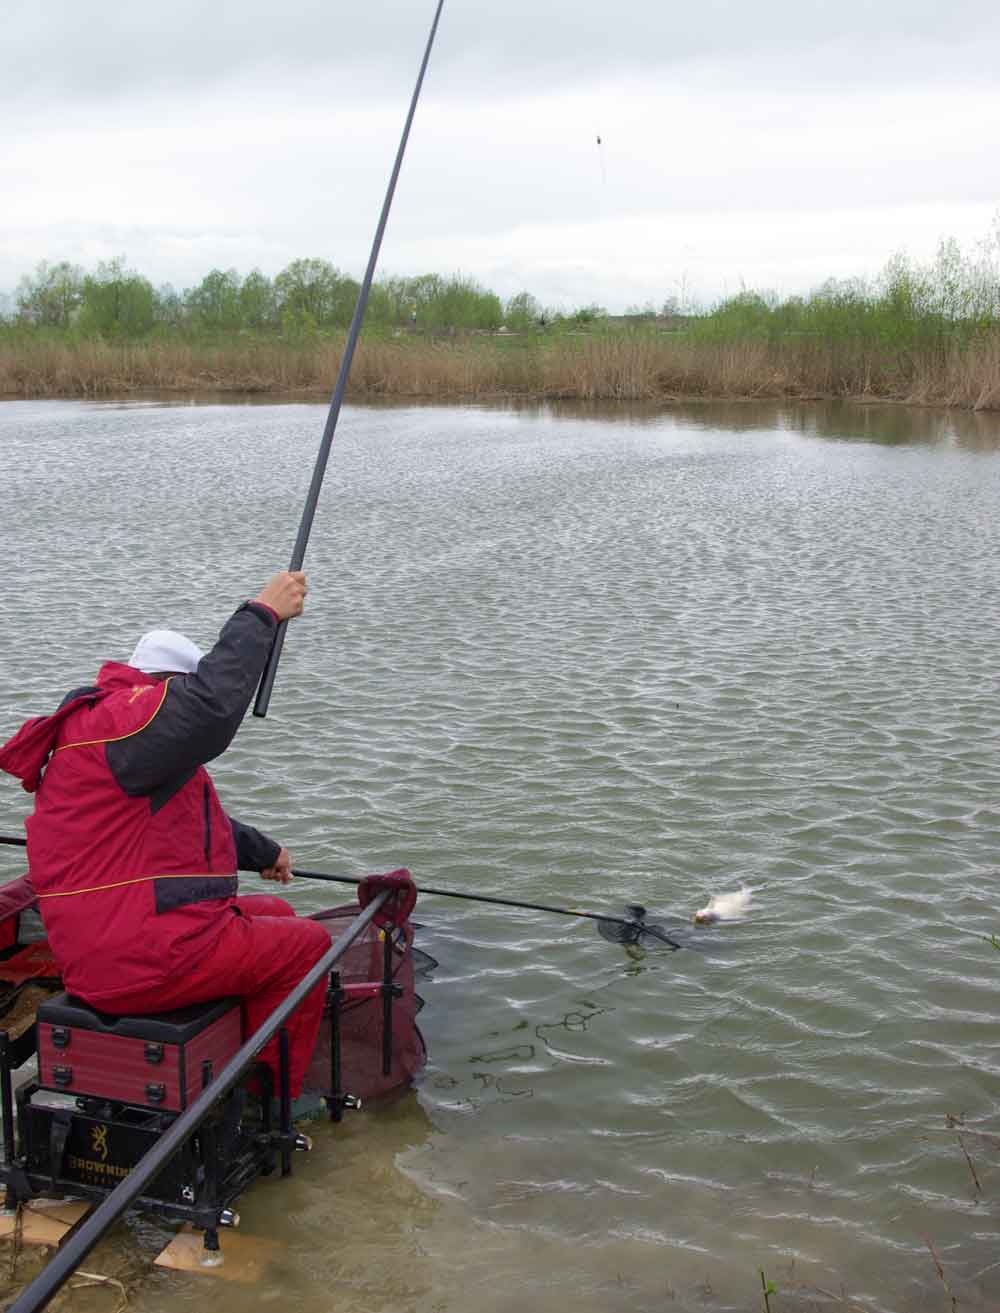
x,y
25,755
114,675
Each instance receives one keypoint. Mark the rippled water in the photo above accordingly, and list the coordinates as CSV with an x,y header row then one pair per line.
x,y
595,658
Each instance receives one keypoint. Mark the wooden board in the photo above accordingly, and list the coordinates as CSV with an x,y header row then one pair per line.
x,y
44,1221
244,1257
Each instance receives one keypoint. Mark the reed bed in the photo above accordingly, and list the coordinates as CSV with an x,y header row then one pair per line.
x,y
606,365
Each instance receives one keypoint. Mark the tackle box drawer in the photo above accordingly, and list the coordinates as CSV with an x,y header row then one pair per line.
x,y
155,1061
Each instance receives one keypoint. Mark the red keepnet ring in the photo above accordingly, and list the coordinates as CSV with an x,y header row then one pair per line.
x,y
401,901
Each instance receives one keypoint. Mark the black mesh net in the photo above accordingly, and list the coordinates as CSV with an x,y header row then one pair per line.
x,y
619,932
361,1019
633,928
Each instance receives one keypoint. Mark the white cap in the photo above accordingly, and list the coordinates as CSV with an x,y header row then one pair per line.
x,y
165,650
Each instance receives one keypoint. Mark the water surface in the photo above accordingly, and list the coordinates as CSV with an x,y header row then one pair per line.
x,y
594,657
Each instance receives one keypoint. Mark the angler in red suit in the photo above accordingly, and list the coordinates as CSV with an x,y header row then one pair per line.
x,y
131,855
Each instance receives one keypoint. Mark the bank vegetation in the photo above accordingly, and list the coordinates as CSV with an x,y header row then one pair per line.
x,y
918,334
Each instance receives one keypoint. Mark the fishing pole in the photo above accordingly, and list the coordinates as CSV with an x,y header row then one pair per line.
x,y
616,929
312,498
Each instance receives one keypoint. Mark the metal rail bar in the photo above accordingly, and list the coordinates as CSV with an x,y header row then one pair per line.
x,y
78,1246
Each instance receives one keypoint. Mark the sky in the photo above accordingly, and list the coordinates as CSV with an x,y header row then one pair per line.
x,y
767,146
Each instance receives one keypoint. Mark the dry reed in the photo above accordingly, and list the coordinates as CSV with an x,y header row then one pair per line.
x,y
622,366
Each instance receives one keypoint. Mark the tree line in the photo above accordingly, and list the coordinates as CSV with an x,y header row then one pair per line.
x,y
308,297
949,300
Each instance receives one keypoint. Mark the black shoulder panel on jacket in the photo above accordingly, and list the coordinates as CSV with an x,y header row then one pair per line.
x,y
201,712
87,690
162,794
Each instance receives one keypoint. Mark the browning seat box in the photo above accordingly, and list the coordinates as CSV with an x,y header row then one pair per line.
x,y
157,1061
71,1149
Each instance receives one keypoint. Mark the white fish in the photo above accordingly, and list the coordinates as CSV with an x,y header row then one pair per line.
x,y
724,907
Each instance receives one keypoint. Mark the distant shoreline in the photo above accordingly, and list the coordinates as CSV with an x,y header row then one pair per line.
x,y
606,365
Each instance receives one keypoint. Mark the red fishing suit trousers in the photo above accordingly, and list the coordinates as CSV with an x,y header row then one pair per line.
x,y
259,958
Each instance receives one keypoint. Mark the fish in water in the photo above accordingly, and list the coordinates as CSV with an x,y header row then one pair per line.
x,y
724,907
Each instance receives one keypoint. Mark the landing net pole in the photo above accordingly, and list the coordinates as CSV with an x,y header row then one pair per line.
x,y
309,511
448,893
78,1246
495,901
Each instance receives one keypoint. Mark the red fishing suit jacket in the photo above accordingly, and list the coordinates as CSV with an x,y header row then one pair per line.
x,y
131,855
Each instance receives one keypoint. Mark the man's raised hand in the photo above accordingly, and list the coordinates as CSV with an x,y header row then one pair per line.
x,y
285,594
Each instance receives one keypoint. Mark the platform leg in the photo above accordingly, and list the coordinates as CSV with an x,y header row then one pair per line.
x,y
285,1114
6,1099
266,1085
334,998
211,1255
209,1156
387,996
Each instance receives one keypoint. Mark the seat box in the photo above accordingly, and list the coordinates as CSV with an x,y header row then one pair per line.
x,y
99,1152
156,1061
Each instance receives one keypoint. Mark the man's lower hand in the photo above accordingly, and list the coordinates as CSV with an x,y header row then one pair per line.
x,y
281,870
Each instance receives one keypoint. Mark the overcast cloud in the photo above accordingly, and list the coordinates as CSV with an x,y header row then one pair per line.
x,y
769,146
